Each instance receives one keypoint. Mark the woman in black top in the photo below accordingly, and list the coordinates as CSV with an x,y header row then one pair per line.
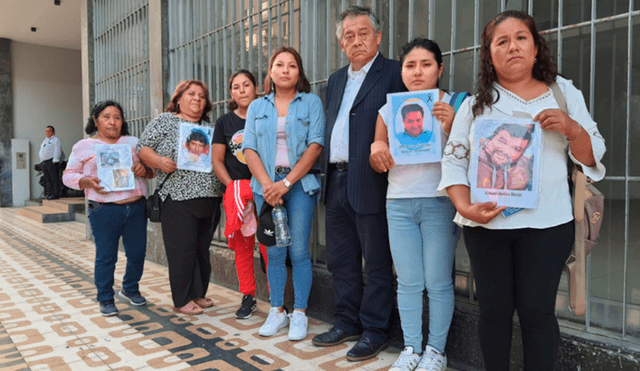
x,y
229,165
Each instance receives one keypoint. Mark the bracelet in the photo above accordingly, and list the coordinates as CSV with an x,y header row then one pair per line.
x,y
577,135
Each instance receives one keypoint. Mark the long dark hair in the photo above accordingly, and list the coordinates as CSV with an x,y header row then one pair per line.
x,y
426,44
232,105
91,127
544,69
180,89
303,85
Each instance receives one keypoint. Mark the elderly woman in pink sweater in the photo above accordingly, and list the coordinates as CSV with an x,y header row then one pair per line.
x,y
116,200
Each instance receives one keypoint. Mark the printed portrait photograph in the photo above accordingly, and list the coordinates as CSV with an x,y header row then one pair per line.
x,y
194,152
505,161
414,133
414,122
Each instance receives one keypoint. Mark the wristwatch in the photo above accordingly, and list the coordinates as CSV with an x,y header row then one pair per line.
x,y
286,183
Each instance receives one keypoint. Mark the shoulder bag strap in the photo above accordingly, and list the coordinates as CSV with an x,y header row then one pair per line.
x,y
165,180
557,94
576,264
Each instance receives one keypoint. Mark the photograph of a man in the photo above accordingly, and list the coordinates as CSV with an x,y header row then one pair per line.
x,y
413,120
501,163
195,148
412,128
415,136
196,144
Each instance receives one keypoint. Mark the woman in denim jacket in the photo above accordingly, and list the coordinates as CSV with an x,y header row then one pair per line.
x,y
284,135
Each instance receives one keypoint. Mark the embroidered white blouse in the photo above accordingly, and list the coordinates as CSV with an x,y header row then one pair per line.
x,y
554,205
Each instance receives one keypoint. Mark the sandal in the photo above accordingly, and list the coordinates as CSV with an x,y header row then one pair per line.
x,y
203,302
191,308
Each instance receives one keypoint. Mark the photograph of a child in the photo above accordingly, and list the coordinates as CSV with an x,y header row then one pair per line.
x,y
195,148
415,136
505,162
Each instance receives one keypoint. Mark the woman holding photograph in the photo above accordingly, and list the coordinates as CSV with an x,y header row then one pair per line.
x,y
517,260
284,135
112,214
422,234
191,200
230,165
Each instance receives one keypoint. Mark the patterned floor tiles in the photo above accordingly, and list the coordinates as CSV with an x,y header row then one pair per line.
x,y
50,319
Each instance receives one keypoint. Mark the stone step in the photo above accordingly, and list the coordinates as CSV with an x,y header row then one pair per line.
x,y
44,214
81,217
66,205
32,203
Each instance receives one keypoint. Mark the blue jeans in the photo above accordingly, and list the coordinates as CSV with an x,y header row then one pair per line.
x,y
300,207
108,223
423,240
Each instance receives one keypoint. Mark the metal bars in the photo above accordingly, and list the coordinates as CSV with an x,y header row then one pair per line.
x,y
209,49
121,57
209,39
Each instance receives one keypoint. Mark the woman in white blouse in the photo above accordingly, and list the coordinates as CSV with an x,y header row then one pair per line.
x,y
518,259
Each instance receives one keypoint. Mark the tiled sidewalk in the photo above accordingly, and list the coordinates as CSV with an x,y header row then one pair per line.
x,y
50,319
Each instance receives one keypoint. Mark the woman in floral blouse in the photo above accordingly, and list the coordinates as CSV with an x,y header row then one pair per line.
x,y
190,199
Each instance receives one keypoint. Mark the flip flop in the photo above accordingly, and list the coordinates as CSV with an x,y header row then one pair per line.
x,y
203,302
191,309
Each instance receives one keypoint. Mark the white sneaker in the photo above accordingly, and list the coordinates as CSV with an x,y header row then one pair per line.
x,y
275,321
432,360
407,361
298,325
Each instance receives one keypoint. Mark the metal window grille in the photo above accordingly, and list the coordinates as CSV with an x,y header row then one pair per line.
x,y
591,42
121,58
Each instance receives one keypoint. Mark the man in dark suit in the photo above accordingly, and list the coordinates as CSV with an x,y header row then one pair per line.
x,y
356,220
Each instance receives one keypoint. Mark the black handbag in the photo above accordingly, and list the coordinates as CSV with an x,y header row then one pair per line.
x,y
153,203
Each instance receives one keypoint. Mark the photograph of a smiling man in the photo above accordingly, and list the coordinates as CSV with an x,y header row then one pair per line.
x,y
415,136
501,164
505,162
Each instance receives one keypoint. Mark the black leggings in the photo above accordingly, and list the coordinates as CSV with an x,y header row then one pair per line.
x,y
518,269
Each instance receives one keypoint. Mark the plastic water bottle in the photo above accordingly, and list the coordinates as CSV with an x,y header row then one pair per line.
x,y
280,221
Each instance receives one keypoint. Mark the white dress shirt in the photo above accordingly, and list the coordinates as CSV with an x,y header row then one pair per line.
x,y
50,148
340,133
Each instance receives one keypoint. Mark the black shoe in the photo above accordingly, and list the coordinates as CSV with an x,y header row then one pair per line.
x,y
248,306
333,337
365,349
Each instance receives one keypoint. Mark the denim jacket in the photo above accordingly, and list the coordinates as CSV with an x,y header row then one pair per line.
x,y
304,125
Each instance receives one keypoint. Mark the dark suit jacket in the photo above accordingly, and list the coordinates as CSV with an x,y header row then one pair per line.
x,y
366,188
